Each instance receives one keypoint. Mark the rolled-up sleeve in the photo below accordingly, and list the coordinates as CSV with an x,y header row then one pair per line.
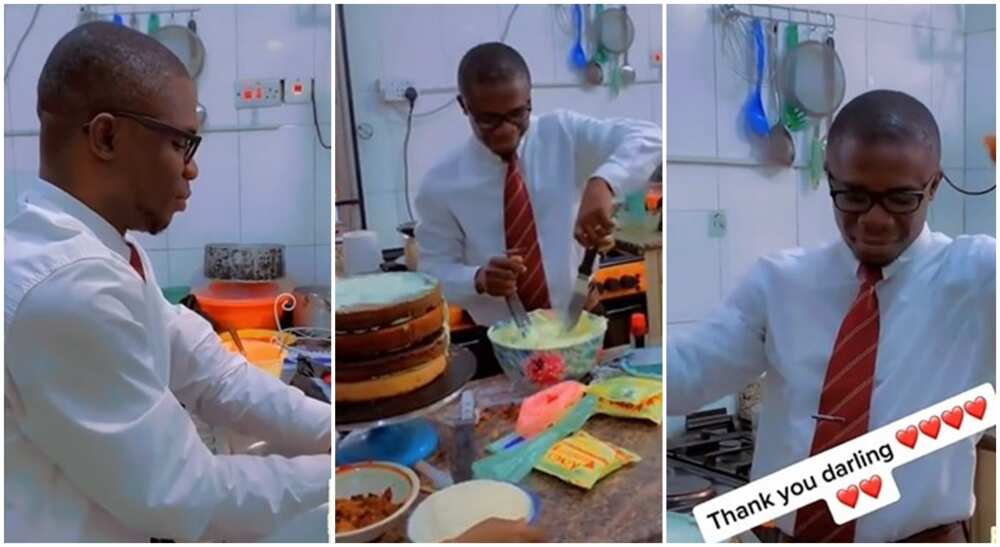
x,y
87,393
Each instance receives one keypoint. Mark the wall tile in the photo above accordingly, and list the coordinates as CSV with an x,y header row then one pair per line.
x,y
900,57
217,30
947,211
186,268
160,264
300,265
948,101
323,268
980,17
9,181
980,211
691,187
694,285
324,191
815,214
980,96
691,83
948,17
213,211
906,14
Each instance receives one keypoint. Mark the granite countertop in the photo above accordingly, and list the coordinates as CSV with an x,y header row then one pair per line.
x,y
624,507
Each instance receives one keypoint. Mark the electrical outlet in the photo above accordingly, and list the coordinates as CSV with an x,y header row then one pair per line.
x,y
655,59
717,224
257,93
297,90
393,91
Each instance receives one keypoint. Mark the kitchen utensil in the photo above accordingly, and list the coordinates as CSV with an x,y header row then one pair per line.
x,y
117,19
792,117
580,290
201,114
312,307
616,30
780,146
812,78
756,118
236,340
267,356
373,478
244,262
448,513
594,74
133,21
578,57
153,23
464,449
184,43
517,312
627,71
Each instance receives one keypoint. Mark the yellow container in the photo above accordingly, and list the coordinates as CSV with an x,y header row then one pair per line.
x,y
263,350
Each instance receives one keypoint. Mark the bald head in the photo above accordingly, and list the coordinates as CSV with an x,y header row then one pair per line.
x,y
100,67
886,117
491,63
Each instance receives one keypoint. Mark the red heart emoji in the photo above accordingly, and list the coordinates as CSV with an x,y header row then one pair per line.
x,y
931,427
976,408
953,417
907,437
872,486
848,496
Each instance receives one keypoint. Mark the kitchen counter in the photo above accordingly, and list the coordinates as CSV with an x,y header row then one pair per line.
x,y
624,507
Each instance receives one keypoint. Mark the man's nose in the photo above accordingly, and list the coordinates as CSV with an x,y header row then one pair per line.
x,y
877,216
191,170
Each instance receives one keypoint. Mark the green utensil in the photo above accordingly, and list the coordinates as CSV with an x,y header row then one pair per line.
x,y
793,118
154,23
601,56
817,150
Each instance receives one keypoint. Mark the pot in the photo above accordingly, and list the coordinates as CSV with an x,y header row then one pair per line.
x,y
244,262
312,307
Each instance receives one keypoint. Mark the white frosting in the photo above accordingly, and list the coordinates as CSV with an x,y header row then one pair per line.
x,y
381,289
545,332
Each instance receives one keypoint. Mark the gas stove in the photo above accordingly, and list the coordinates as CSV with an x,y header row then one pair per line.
x,y
713,456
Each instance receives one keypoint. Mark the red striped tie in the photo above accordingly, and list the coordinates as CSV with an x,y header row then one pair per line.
x,y
847,394
522,236
135,261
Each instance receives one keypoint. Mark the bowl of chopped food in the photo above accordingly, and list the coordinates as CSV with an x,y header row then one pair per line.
x,y
371,497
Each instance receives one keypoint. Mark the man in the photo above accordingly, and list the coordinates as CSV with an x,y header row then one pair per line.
x,y
97,364
497,216
861,332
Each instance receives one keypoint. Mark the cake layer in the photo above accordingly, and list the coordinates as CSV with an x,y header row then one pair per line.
x,y
391,385
375,342
359,370
383,300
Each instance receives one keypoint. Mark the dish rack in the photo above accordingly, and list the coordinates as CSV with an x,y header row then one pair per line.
x,y
308,348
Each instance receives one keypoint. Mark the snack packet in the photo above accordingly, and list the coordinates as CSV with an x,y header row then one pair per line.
x,y
629,397
582,459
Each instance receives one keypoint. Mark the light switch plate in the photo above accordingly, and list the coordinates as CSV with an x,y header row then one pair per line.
x,y
717,224
257,93
297,90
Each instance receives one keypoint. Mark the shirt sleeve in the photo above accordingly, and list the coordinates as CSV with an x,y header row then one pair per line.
x,y
442,247
86,391
724,352
628,150
224,390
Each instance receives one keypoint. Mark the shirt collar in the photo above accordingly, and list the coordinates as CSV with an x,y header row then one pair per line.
x,y
496,160
62,201
914,251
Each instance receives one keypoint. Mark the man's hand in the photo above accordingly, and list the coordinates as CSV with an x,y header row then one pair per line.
x,y
593,223
497,530
499,277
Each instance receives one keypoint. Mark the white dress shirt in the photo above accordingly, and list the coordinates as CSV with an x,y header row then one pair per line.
x,y
96,366
937,313
460,201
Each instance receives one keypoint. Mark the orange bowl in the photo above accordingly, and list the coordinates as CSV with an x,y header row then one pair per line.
x,y
239,305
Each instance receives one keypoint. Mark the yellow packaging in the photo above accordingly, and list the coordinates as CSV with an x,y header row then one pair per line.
x,y
582,459
629,397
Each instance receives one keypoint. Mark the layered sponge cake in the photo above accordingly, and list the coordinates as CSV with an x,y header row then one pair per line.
x,y
391,335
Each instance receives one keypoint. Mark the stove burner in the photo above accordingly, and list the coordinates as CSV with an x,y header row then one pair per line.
x,y
684,490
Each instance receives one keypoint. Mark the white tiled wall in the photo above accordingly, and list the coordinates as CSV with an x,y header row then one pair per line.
x,y
943,55
255,185
424,44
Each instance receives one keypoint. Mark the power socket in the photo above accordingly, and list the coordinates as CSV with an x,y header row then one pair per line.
x,y
394,91
297,90
257,93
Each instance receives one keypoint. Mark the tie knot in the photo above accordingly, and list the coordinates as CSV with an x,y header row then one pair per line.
x,y
869,274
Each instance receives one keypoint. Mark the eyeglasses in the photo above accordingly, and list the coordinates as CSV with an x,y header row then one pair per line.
x,y
189,141
897,202
488,121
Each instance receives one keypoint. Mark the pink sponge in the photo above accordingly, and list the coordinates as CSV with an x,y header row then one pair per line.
x,y
544,408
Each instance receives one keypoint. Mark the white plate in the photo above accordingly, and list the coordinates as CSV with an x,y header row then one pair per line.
x,y
449,512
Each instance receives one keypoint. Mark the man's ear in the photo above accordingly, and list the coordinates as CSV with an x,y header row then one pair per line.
x,y
461,103
934,185
101,136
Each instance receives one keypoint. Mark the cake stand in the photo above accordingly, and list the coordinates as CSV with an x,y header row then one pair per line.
x,y
394,429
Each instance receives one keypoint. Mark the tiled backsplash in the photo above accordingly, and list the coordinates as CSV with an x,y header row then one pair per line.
x,y
263,176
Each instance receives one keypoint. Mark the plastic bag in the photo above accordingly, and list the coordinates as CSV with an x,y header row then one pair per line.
x,y
629,397
582,459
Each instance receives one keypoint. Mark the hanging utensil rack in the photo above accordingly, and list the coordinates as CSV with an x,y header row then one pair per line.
x,y
781,14
112,9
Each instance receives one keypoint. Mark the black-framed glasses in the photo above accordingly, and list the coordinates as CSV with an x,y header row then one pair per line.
x,y
897,202
189,141
488,121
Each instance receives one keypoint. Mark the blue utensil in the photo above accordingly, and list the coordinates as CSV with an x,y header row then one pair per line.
x,y
578,57
756,118
117,19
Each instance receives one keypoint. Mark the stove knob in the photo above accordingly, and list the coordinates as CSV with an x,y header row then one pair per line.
x,y
629,281
612,284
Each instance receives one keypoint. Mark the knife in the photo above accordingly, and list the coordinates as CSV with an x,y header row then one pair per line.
x,y
464,449
520,315
580,290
